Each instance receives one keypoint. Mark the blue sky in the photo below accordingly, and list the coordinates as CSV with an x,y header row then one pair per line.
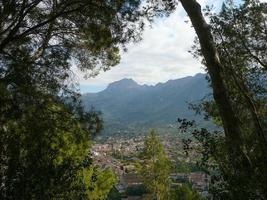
x,y
161,55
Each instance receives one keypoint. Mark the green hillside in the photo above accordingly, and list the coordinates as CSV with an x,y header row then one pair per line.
x,y
128,106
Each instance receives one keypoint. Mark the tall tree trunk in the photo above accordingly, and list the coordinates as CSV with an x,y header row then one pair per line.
x,y
231,123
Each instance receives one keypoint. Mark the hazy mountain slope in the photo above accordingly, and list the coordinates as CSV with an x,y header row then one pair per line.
x,y
126,104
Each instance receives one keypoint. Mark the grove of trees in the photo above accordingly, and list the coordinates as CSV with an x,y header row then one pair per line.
x,y
45,135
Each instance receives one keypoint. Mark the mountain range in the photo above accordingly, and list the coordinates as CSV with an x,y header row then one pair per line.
x,y
126,105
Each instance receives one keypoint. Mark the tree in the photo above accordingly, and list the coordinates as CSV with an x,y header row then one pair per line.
x,y
99,183
242,46
184,192
240,41
45,151
44,133
214,66
155,170
87,32
233,48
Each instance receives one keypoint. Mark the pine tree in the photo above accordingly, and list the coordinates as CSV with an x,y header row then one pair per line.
x,y
155,170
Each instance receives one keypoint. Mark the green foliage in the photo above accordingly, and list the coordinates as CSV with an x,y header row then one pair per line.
x,y
114,194
136,190
239,32
211,149
185,192
99,183
156,168
182,166
45,150
44,133
86,32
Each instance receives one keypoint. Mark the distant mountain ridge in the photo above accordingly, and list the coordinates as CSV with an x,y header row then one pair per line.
x,y
126,105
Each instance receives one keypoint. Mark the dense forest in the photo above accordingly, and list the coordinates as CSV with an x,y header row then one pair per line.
x,y
46,135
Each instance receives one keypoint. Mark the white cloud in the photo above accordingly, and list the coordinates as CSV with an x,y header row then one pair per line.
x,y
160,56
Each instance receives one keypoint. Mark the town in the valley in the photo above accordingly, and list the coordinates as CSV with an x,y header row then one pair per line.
x,y
122,156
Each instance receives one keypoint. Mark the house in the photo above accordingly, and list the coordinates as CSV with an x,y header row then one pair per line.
x,y
131,179
200,180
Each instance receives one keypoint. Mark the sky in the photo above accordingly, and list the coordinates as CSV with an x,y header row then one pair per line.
x,y
161,55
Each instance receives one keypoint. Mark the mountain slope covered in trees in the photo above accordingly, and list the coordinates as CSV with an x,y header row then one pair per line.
x,y
142,106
